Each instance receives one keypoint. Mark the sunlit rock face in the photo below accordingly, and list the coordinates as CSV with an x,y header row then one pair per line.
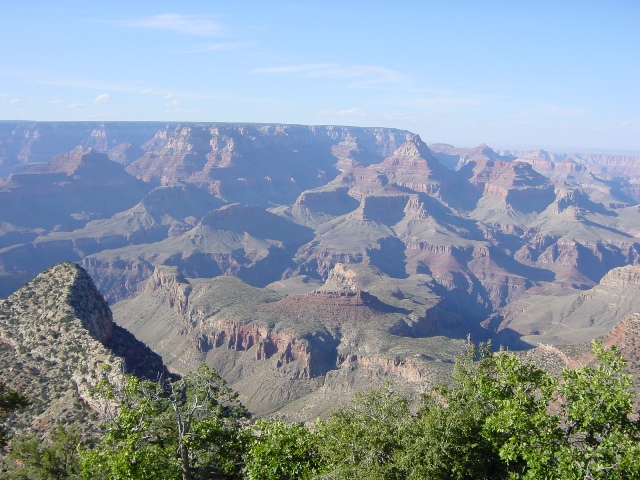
x,y
58,341
514,246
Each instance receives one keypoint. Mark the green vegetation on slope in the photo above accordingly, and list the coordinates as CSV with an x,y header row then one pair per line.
x,y
10,400
500,417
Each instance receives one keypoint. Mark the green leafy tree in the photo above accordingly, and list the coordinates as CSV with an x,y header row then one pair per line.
x,y
133,446
362,441
500,417
580,425
185,429
280,450
601,431
445,439
503,417
55,458
519,425
10,401
206,415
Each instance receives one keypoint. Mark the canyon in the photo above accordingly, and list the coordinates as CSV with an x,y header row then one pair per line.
x,y
308,262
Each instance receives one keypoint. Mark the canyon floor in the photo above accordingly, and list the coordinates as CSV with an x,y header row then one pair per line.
x,y
309,262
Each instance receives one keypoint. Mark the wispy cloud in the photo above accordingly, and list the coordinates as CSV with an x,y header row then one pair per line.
x,y
58,81
447,101
349,112
360,75
126,88
10,98
440,100
551,110
359,113
102,99
630,122
186,24
176,105
558,111
218,47
73,106
137,87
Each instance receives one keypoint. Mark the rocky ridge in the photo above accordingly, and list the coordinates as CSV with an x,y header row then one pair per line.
x,y
249,333
57,341
514,246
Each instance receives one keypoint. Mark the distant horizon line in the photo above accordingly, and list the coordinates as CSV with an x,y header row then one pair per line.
x,y
498,146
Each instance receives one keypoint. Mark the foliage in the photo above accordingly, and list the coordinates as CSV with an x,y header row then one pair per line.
x,y
505,418
362,441
133,446
10,401
601,431
445,439
500,417
280,450
30,458
206,414
184,429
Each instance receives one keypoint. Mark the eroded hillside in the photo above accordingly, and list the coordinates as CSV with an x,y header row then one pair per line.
x,y
322,228
57,341
311,349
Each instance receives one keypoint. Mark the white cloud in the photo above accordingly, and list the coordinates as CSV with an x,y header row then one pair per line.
x,y
441,99
400,116
351,112
361,75
630,122
558,111
218,47
550,110
173,22
10,98
131,88
360,113
175,103
85,84
74,105
102,99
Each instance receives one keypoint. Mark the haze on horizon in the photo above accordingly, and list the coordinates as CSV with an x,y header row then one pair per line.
x,y
535,74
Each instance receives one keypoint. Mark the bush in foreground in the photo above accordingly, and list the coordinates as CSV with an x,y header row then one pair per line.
x,y
500,417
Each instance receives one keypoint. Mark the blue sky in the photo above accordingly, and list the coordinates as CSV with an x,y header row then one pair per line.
x,y
510,73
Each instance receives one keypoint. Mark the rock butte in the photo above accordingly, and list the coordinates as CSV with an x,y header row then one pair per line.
x,y
330,256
